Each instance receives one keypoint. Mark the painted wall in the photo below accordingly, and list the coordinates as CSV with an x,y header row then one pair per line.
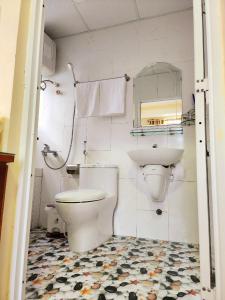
x,y
9,23
14,28
112,52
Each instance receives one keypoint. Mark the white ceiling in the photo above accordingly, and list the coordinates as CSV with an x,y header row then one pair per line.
x,y
68,17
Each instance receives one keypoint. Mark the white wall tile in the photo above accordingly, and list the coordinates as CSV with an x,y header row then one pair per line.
x,y
80,135
99,134
152,226
154,34
121,137
69,182
68,50
105,65
35,218
38,172
125,52
185,141
125,215
103,157
183,211
51,121
39,162
127,167
149,141
50,187
189,157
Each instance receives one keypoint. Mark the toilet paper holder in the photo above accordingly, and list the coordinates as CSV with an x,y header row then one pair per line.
x,y
73,169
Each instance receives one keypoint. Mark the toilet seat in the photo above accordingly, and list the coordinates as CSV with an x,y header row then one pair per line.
x,y
80,196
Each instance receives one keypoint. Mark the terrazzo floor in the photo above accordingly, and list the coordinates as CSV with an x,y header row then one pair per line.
x,y
122,268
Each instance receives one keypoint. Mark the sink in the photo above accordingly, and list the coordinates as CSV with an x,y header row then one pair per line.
x,y
156,156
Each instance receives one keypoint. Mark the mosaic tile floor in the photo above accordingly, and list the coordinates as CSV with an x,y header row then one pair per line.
x,y
122,268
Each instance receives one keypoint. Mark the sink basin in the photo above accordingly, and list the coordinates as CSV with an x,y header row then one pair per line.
x,y
156,156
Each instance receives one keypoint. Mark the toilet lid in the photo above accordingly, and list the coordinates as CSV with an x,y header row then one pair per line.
x,y
80,196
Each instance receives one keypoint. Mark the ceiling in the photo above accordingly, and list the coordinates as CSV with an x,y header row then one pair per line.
x,y
69,17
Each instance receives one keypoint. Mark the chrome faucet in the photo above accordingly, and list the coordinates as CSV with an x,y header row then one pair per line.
x,y
47,150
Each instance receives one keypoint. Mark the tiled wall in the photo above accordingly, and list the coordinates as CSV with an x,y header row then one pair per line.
x,y
35,219
113,52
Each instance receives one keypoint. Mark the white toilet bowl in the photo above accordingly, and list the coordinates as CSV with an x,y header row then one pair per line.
x,y
88,214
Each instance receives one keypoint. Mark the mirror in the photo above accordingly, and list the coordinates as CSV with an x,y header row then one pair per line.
x,y
158,96
165,112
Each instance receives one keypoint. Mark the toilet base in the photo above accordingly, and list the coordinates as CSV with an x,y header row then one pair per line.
x,y
86,238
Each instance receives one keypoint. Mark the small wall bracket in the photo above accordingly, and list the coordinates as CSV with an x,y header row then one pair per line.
x,y
202,85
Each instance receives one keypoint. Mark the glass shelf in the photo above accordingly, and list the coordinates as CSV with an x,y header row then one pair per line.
x,y
169,129
156,130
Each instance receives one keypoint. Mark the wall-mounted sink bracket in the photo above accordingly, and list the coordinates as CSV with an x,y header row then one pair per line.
x,y
157,164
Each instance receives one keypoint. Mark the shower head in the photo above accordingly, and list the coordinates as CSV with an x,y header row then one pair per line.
x,y
70,67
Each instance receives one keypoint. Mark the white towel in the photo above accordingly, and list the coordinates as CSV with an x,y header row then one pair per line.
x,y
112,97
87,99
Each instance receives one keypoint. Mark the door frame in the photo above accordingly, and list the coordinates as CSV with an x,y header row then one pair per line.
x,y
30,114
201,87
27,148
215,20
214,86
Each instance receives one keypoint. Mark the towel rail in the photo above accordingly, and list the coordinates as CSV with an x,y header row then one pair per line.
x,y
127,78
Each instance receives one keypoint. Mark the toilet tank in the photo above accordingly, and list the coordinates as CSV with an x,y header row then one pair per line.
x,y
101,177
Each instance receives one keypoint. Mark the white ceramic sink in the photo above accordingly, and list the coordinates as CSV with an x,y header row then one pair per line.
x,y
156,156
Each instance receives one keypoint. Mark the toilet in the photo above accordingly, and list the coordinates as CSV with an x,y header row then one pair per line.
x,y
88,211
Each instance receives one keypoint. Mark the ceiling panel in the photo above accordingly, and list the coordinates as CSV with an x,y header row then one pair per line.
x,y
152,8
62,18
103,13
68,17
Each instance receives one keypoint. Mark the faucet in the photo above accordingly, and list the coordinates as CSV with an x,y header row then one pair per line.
x,y
154,146
47,150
